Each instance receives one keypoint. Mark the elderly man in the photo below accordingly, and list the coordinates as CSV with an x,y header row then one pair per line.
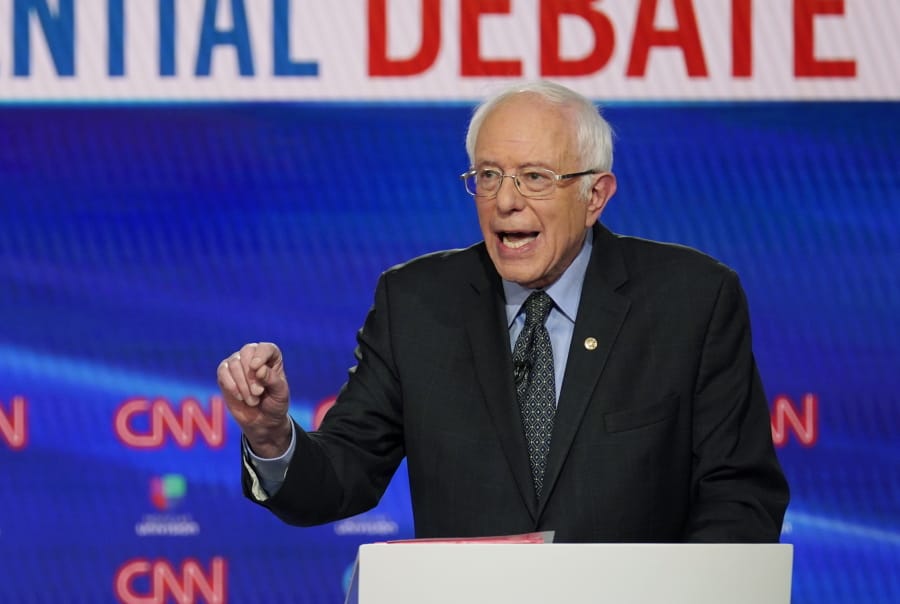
x,y
555,376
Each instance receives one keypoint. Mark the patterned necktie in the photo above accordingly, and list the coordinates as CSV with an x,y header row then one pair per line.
x,y
535,389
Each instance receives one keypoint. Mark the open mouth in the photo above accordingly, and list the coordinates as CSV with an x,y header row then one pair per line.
x,y
517,239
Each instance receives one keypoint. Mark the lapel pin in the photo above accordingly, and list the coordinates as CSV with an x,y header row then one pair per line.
x,y
590,343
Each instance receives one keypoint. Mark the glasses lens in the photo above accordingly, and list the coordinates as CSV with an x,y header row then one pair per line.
x,y
531,182
487,181
536,181
471,187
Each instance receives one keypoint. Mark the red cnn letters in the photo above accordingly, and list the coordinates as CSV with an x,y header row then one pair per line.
x,y
186,585
805,425
182,424
14,424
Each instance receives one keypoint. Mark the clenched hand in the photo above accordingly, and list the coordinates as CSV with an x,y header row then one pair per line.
x,y
256,392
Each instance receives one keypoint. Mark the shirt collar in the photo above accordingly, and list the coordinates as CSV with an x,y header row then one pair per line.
x,y
565,291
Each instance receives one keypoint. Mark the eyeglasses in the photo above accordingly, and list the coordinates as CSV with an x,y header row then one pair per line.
x,y
530,182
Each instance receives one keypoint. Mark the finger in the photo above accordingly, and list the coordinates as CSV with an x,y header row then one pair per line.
x,y
268,376
274,381
265,353
262,374
226,382
239,375
256,386
249,353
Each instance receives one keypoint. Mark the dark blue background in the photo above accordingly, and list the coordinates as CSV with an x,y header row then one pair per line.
x,y
140,245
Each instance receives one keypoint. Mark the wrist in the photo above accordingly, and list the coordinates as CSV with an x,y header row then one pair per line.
x,y
271,442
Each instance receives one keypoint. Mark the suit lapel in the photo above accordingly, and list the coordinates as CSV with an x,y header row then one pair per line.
x,y
489,337
601,312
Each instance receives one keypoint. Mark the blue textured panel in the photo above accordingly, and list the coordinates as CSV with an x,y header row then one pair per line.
x,y
140,245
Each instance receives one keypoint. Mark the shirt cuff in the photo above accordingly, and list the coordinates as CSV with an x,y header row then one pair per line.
x,y
267,474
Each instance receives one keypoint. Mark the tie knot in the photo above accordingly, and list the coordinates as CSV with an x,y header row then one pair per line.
x,y
537,307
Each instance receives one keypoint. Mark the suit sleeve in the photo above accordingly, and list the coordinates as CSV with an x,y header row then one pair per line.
x,y
739,493
343,468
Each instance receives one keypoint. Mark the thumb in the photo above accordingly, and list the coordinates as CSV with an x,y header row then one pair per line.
x,y
273,382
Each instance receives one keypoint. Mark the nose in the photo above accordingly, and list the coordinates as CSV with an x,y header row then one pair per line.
x,y
508,197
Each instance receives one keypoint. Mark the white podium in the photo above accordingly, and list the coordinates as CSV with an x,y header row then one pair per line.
x,y
437,573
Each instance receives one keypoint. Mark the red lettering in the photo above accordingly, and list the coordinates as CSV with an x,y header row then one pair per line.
x,y
806,64
186,586
182,425
741,38
14,427
125,577
552,64
785,415
685,36
379,62
471,63
321,409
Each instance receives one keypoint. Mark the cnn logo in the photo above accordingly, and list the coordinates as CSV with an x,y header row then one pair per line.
x,y
802,421
142,581
142,423
14,423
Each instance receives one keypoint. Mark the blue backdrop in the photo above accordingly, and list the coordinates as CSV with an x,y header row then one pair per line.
x,y
140,245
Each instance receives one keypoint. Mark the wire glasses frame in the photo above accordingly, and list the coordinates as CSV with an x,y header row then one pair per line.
x,y
530,182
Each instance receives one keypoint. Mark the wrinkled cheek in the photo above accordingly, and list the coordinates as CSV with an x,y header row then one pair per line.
x,y
485,211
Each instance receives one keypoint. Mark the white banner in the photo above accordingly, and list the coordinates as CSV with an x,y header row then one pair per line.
x,y
99,50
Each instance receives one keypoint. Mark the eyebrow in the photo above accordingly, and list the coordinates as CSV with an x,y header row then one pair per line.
x,y
528,164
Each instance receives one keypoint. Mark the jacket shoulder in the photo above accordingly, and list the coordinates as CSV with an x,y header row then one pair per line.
x,y
440,266
648,256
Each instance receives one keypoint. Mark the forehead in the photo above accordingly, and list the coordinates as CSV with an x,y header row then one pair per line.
x,y
526,128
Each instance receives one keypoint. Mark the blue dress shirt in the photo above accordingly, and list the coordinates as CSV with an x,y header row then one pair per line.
x,y
566,293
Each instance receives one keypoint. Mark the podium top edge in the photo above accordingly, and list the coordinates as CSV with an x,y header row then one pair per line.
x,y
603,546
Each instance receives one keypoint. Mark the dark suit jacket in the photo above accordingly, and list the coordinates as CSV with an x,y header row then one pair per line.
x,y
662,432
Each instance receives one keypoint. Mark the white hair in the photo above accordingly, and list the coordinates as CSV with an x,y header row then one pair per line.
x,y
593,134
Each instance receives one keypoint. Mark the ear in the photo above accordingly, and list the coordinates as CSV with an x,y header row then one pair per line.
x,y
604,188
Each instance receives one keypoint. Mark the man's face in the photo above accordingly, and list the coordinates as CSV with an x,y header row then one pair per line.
x,y
532,241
